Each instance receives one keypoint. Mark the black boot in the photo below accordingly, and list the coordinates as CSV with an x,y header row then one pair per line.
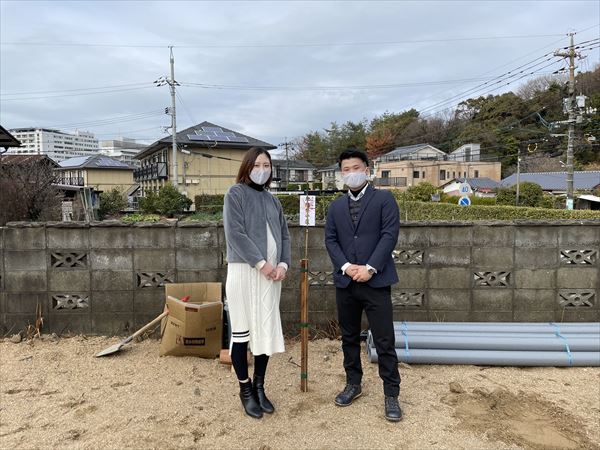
x,y
259,390
249,402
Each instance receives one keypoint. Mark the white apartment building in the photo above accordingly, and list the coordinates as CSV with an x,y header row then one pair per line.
x,y
56,144
122,149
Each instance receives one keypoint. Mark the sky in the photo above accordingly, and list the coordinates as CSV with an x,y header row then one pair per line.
x,y
271,70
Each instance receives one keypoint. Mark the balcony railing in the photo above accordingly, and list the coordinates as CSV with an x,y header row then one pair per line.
x,y
156,171
70,181
390,182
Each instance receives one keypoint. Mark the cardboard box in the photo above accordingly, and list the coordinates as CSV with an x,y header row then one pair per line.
x,y
192,328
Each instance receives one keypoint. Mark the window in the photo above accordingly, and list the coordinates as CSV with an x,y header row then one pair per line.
x,y
385,174
423,173
477,174
415,174
453,175
442,174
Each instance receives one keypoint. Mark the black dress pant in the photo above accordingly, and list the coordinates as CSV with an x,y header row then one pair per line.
x,y
377,304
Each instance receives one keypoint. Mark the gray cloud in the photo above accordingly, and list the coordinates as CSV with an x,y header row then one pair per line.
x,y
268,115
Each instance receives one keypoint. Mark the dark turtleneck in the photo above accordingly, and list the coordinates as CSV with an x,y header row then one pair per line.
x,y
256,187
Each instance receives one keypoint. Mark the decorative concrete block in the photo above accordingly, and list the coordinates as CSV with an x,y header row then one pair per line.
x,y
70,260
577,299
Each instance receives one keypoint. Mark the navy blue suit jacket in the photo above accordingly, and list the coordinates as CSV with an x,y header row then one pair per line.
x,y
370,242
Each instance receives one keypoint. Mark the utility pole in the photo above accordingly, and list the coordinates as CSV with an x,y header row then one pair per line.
x,y
571,54
518,176
172,111
286,144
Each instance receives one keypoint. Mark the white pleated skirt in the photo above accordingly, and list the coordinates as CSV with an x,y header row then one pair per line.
x,y
253,302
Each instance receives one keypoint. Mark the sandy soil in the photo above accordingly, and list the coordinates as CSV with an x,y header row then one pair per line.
x,y
55,394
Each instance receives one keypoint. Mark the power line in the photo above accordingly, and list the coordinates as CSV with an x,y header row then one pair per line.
x,y
74,90
106,91
280,45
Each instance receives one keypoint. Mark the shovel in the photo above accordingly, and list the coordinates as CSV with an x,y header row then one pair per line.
x,y
117,347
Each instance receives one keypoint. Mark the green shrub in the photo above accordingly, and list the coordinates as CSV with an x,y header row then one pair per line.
x,y
140,218
111,203
168,202
317,186
292,187
209,204
428,211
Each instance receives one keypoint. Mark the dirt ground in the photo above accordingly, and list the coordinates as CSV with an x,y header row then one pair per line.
x,y
55,394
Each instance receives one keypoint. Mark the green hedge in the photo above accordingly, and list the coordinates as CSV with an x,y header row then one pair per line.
x,y
443,211
207,205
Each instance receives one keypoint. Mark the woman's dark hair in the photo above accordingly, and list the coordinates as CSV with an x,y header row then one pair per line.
x,y
353,153
247,165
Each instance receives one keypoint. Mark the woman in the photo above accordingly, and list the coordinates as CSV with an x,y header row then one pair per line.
x,y
258,256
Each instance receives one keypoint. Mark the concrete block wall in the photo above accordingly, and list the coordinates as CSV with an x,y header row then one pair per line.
x,y
108,277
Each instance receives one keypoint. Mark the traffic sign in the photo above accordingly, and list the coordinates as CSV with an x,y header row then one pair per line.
x,y
464,188
464,201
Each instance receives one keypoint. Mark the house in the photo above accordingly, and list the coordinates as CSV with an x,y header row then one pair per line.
x,y
478,187
408,166
299,172
7,140
98,172
331,177
208,160
556,182
588,201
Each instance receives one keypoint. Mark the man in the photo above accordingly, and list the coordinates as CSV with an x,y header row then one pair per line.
x,y
360,235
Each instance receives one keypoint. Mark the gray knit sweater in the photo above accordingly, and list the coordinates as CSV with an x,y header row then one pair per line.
x,y
246,213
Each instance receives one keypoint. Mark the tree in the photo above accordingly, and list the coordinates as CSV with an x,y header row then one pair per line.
x,y
27,190
530,194
421,192
111,203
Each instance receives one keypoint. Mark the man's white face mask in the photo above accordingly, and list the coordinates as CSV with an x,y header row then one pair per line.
x,y
260,176
354,180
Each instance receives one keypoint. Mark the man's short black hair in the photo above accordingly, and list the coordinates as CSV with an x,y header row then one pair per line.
x,y
352,152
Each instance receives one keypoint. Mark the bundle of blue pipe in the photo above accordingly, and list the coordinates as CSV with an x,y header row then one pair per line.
x,y
495,343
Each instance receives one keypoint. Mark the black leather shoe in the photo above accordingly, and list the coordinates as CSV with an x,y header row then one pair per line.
x,y
249,402
393,412
258,384
347,396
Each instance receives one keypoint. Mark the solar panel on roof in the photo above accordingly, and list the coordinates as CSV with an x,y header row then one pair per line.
x,y
239,139
213,129
219,137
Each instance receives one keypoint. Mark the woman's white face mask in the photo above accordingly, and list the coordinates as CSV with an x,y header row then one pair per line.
x,y
260,176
